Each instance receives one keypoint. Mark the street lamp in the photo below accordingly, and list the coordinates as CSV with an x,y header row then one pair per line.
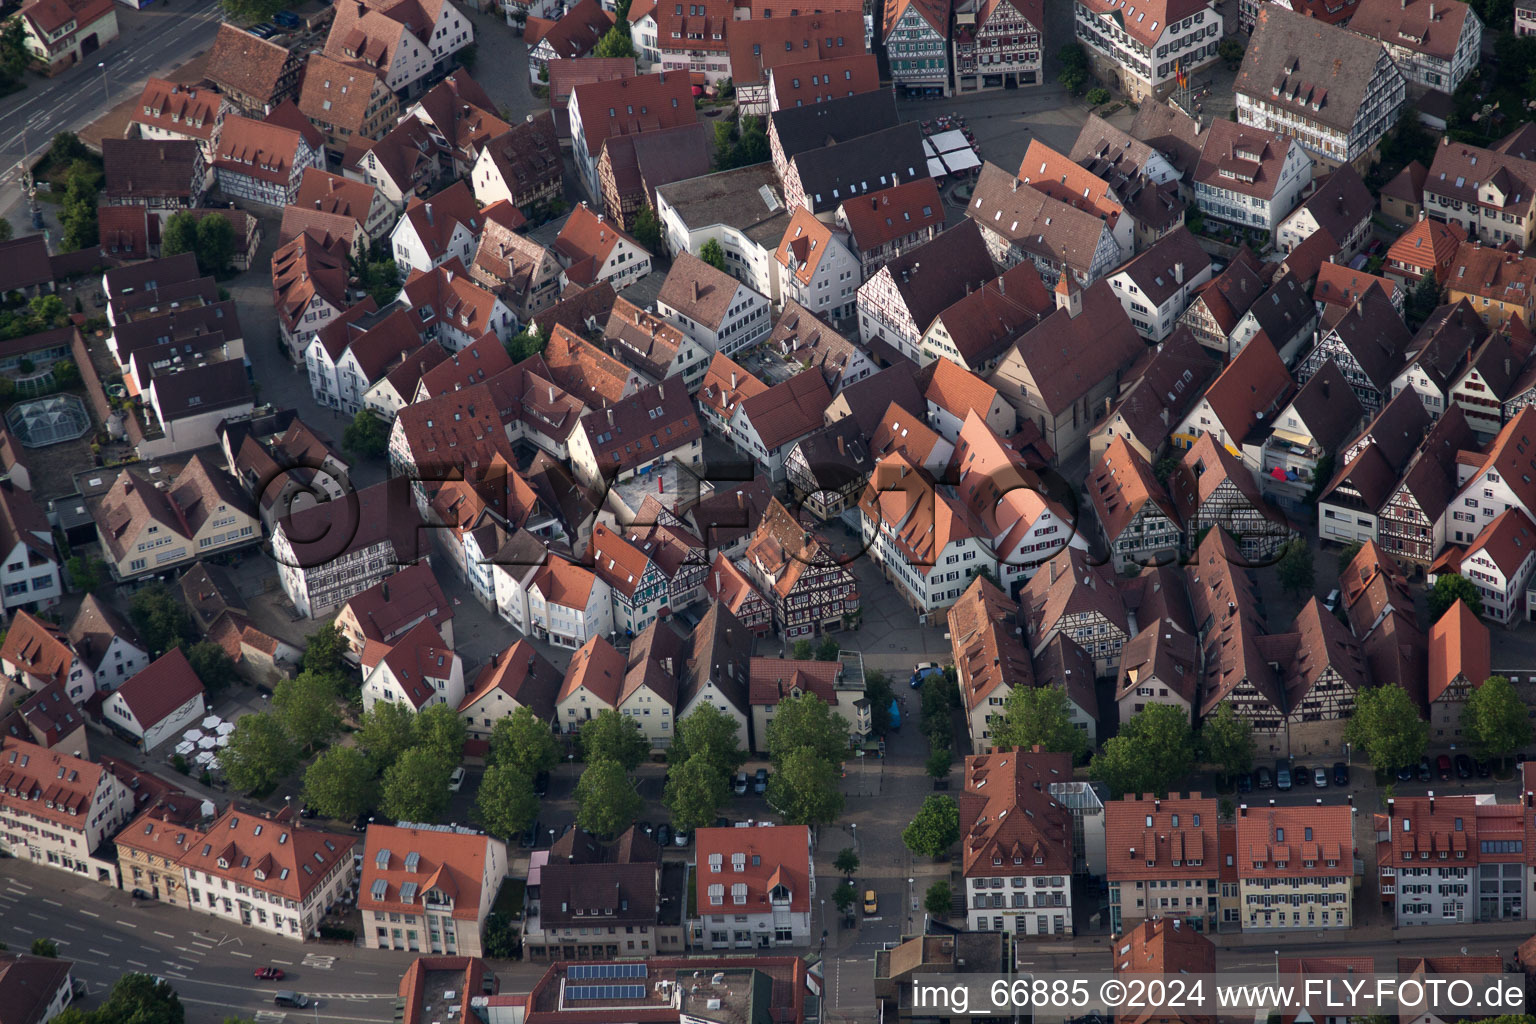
x,y
105,89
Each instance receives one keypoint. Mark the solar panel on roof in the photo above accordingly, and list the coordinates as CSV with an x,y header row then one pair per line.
x,y
594,992
578,972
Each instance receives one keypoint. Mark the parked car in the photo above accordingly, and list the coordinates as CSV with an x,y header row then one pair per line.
x,y
1301,775
1319,778
663,835
541,784
140,894
1332,603
871,903
291,999
740,785
287,19
760,781
456,780
1264,779
1484,769
1424,769
1245,782
268,974
1406,773
1443,767
264,31
1282,778
682,837
1463,766
530,837
923,670
1340,774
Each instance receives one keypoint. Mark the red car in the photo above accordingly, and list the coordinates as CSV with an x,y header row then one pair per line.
x,y
267,974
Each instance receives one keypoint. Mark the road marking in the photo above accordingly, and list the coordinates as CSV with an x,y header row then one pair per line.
x,y
111,938
74,927
52,903
164,935
136,963
236,952
19,928
287,963
19,882
270,1017
125,924
40,917
61,942
88,913
98,952
202,942
16,892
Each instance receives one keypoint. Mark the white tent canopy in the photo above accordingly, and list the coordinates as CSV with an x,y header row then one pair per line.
x,y
212,722
193,734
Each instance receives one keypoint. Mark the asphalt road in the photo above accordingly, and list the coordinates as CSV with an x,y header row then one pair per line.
x,y
153,40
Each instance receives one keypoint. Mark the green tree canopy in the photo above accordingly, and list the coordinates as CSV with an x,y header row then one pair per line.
x,y
260,753
938,899
877,690
647,229
804,789
1227,741
440,729
610,736
178,234
366,436
416,786
324,649
845,896
935,828
696,790
616,42
213,666
711,733
506,805
140,999
523,742
523,344
807,723
847,861
1297,574
161,621
215,243
85,572
1039,715
1153,750
341,784
1449,588
388,730
1386,726
249,12
306,705
606,801
940,760
712,254
1495,719
45,947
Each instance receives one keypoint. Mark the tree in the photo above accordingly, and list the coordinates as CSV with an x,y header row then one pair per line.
x,y
162,623
1152,751
1495,719
935,828
506,804
847,861
696,790
937,722
468,57
724,146
523,344
440,729
140,999
647,229
1422,300
85,572
828,648
1387,727
844,897
14,59
212,665
249,12
616,42
7,229
1297,574
611,736
77,213
324,650
388,731
501,936
712,734
416,786
712,254
804,789
1449,588
341,784
179,234
306,706
260,753
806,723
621,11
804,650
45,947
939,761
522,742
725,89
1322,476
1227,741
366,436
752,143
1231,51
1074,67
1097,96
1039,715
381,279
877,690
606,801
938,899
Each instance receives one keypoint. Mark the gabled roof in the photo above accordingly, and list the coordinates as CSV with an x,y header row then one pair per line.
x,y
627,106
789,410
1161,840
1243,159
941,271
642,427
1340,201
179,109
756,45
36,648
586,241
528,152
1225,601
577,32
144,169
523,675
770,856
1429,246
1160,269
823,80
1342,286
1172,378
1327,406
304,268
339,92
1249,387
800,129
985,322
385,609
1507,542
1430,27
1372,587
934,12
437,218
1323,644
597,668
1068,585
1121,485
1307,67
1036,221
159,688
1146,22
412,862
257,149
1165,652
1171,132
877,218
1068,356
1055,174
1458,649
244,63
1008,816
989,652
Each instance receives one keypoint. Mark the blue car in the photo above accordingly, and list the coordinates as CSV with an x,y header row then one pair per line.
x,y
287,19
923,671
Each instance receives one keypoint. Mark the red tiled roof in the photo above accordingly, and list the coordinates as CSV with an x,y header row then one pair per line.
x,y
450,862
1008,816
771,855
161,687
1459,648
1277,842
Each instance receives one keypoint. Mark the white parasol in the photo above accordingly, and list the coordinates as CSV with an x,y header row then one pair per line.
x,y
193,734
212,722
225,728
204,757
207,743
185,747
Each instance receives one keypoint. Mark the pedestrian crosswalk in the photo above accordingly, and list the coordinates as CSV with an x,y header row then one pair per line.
x,y
270,1017
319,961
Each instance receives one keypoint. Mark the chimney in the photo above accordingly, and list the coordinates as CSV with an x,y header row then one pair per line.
x,y
610,417
1242,810
695,291
717,583
842,449
1178,272
661,391
385,590
1431,801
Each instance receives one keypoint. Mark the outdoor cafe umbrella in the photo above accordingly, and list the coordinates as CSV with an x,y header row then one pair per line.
x,y
193,734
204,757
185,747
225,728
211,722
208,742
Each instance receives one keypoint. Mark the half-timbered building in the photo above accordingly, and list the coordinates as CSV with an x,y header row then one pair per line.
x,y
1369,343
1212,488
1411,526
808,587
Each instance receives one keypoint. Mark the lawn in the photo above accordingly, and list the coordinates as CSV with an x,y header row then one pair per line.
x,y
509,900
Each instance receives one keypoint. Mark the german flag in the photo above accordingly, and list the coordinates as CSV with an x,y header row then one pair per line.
x,y
1179,76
